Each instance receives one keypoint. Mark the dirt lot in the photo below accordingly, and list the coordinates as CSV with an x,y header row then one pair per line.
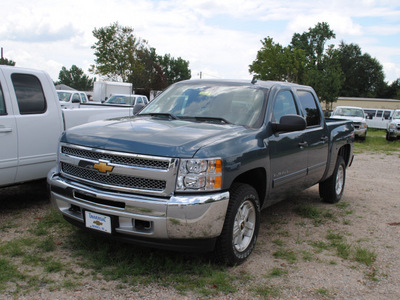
x,y
306,249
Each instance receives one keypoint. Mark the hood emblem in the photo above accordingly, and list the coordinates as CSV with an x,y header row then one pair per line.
x,y
103,167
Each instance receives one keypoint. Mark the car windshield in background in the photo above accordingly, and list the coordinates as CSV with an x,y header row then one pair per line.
x,y
64,96
396,115
120,99
210,102
349,112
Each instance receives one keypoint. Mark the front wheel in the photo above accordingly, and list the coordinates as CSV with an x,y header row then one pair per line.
x,y
240,230
331,190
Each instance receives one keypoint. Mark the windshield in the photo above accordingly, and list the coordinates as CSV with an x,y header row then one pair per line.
x,y
236,104
64,96
396,115
349,112
121,99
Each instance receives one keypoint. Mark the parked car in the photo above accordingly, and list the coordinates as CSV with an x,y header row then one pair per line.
x,y
355,114
193,169
32,120
393,127
137,101
70,98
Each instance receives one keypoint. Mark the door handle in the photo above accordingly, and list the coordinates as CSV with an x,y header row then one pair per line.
x,y
324,138
5,129
303,144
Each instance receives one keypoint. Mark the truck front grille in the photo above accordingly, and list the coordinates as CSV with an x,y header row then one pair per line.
x,y
117,159
114,180
125,172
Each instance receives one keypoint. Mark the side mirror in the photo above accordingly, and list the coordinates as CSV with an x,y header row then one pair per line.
x,y
290,123
76,101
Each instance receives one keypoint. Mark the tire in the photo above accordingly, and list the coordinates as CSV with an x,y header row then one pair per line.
x,y
388,137
331,190
242,222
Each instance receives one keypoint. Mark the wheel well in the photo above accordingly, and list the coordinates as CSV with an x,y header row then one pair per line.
x,y
257,179
345,153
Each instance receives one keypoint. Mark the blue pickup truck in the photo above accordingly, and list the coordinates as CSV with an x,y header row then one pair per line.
x,y
194,168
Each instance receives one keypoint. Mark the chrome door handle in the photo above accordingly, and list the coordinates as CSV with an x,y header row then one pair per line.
x,y
5,129
303,144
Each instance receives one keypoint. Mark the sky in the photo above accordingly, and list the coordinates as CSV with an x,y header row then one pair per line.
x,y
219,38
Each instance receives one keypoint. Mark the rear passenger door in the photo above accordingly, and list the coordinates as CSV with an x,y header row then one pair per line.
x,y
315,136
38,123
8,138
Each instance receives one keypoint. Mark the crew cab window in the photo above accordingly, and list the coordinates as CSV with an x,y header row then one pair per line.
x,y
386,115
29,92
309,108
2,103
284,105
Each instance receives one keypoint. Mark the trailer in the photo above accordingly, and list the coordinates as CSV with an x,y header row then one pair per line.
x,y
102,90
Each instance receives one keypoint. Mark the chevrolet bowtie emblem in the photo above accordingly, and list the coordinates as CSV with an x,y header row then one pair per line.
x,y
103,167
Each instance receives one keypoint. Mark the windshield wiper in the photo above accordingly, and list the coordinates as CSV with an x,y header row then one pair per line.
x,y
207,119
170,116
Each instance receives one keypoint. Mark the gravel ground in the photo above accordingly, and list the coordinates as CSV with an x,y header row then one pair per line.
x,y
368,217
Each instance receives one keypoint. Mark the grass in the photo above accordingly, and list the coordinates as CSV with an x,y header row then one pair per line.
x,y
376,142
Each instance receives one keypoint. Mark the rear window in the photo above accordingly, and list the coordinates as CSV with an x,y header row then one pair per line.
x,y
29,92
309,108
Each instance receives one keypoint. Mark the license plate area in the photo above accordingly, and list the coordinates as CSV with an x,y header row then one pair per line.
x,y
98,222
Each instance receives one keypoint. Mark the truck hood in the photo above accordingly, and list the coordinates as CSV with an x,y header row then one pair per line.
x,y
151,136
354,119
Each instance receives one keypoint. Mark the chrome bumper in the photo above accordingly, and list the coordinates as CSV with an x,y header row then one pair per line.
x,y
393,132
177,217
360,132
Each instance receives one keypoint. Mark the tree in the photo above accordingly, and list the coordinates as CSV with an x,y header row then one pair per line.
x,y
174,69
313,42
5,61
120,54
117,51
327,78
275,62
75,78
364,74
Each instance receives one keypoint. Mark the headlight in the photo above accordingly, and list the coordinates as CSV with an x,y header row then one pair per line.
x,y
199,175
392,126
364,125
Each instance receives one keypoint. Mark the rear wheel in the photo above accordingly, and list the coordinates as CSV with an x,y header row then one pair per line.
x,y
242,222
331,190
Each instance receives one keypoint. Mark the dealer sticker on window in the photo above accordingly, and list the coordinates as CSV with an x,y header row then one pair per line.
x,y
97,221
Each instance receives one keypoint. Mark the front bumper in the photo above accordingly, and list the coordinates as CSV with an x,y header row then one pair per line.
x,y
143,218
361,132
393,132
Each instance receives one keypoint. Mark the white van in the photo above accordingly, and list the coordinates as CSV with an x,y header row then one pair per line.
x,y
378,117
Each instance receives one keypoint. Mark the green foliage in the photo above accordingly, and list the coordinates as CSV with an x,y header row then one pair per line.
x,y
275,62
313,42
75,78
364,75
332,72
6,61
120,54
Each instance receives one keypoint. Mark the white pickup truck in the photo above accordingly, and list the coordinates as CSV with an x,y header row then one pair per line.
x,y
31,122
